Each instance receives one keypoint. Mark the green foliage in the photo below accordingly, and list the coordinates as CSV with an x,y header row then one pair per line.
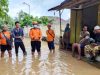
x,y
36,19
45,20
4,18
3,8
1,22
8,21
26,19
23,18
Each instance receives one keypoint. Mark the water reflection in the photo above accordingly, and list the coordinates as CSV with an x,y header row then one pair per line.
x,y
46,64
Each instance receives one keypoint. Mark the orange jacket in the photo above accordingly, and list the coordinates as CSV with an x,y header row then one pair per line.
x,y
35,34
3,39
50,35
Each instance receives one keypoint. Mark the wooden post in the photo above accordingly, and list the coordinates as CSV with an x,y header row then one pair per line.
x,y
75,23
99,14
60,23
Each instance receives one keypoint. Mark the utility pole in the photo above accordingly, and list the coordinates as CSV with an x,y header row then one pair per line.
x,y
27,5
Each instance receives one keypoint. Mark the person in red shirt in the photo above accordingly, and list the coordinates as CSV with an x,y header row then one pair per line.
x,y
50,38
4,35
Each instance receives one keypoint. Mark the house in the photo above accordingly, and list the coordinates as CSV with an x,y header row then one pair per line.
x,y
83,12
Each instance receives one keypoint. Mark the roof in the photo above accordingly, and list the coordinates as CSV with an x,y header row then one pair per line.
x,y
59,7
70,4
55,8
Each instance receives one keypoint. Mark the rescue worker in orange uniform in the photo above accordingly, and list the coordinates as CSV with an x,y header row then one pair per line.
x,y
4,35
35,35
50,38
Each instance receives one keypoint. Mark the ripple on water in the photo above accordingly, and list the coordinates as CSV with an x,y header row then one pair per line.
x,y
47,64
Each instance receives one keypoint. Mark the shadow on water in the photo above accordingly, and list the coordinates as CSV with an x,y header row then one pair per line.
x,y
46,64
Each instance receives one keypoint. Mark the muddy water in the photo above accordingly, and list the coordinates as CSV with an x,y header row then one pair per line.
x,y
58,63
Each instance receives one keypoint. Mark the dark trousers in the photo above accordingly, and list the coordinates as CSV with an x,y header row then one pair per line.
x,y
51,45
21,45
36,45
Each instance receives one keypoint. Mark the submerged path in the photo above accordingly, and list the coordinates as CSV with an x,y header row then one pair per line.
x,y
58,63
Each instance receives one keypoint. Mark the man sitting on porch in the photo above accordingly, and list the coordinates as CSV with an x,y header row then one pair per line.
x,y
84,40
93,49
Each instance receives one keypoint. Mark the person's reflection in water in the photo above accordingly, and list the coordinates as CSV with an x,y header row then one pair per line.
x,y
57,65
44,64
34,69
4,66
7,67
19,66
10,67
51,56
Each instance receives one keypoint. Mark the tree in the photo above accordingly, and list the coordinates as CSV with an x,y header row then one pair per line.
x,y
3,11
45,20
37,19
24,18
9,22
3,8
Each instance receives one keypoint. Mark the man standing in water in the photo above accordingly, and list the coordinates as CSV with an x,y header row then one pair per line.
x,y
18,35
35,35
50,38
5,35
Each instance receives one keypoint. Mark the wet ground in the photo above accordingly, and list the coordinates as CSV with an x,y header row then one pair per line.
x,y
58,63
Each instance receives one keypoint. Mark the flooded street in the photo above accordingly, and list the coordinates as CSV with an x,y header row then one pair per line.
x,y
58,63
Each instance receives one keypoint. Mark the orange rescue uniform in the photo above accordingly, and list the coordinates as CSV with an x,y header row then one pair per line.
x,y
3,39
35,34
50,35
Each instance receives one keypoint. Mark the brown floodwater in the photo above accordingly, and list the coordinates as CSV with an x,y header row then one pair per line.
x,y
58,63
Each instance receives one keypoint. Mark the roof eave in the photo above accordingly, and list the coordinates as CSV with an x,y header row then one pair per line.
x,y
67,5
55,8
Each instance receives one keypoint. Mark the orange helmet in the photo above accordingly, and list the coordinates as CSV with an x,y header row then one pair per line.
x,y
34,22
